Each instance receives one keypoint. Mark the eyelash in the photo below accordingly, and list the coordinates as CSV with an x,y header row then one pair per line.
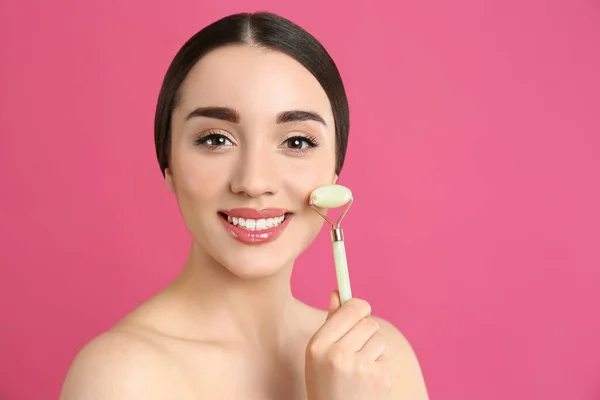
x,y
309,139
212,135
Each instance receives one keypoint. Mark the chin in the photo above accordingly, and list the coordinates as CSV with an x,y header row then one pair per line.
x,y
250,261
256,261
254,269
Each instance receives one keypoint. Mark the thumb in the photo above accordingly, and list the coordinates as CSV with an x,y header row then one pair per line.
x,y
334,303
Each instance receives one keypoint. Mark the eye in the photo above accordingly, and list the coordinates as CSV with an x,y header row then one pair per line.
x,y
300,143
214,140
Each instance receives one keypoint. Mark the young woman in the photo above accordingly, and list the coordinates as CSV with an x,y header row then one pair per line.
x,y
252,116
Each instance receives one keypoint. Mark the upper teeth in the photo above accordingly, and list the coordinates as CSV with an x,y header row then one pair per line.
x,y
256,224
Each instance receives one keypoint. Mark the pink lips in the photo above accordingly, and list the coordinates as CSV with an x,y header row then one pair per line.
x,y
260,236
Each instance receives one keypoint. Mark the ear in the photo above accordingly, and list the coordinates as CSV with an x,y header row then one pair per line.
x,y
335,178
169,180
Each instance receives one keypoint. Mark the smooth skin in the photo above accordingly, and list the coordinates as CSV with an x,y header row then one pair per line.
x,y
228,327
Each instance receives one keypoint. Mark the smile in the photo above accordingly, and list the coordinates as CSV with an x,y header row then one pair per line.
x,y
255,226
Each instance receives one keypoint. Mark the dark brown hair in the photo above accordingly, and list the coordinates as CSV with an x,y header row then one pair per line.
x,y
257,29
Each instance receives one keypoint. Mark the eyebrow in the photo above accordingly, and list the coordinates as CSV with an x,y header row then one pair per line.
x,y
232,115
297,115
222,113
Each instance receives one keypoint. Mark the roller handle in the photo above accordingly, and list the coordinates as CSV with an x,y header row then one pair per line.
x,y
341,271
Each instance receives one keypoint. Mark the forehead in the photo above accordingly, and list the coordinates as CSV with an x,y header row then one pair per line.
x,y
255,81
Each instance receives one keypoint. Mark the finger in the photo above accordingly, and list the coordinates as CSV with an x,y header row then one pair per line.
x,y
359,335
342,320
374,348
334,303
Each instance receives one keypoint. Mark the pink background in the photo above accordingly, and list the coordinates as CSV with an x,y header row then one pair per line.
x,y
473,158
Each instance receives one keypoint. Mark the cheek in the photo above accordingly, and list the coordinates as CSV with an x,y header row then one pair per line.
x,y
198,179
307,176
302,180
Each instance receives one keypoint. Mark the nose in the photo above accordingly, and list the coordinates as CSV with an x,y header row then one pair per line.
x,y
256,175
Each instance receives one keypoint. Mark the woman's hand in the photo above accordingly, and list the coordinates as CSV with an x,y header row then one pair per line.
x,y
345,359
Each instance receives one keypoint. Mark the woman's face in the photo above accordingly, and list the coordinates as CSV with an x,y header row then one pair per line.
x,y
252,135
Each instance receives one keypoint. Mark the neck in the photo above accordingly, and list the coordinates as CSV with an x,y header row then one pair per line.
x,y
252,311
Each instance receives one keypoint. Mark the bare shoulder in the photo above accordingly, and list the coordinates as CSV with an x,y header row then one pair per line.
x,y
407,378
119,364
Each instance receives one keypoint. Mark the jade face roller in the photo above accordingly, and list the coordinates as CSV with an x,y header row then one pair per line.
x,y
333,196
